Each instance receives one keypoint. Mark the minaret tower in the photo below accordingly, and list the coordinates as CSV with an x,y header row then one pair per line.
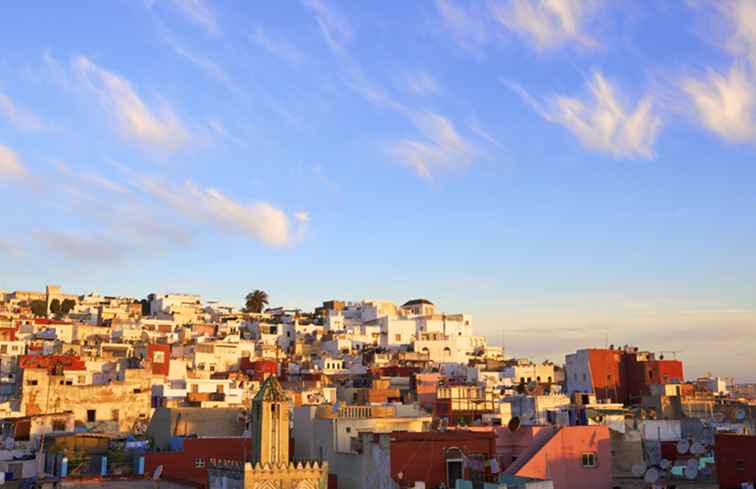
x,y
270,425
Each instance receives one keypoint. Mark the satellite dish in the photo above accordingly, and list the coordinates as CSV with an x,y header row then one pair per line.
x,y
683,446
692,464
158,471
652,475
638,469
665,464
691,472
514,424
740,415
697,449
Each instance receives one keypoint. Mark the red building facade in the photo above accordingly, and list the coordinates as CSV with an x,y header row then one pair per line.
x,y
624,374
736,460
440,457
190,464
159,356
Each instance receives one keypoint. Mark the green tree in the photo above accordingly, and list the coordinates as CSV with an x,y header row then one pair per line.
x,y
256,301
67,306
38,308
55,306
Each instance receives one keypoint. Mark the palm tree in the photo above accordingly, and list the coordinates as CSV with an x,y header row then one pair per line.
x,y
256,301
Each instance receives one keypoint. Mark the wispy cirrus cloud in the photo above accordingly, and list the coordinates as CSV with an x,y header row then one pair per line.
x,y
278,47
724,101
442,149
11,165
217,126
10,248
135,119
22,119
199,12
600,120
548,23
466,24
98,248
422,83
89,178
260,221
741,15
210,67
336,29
482,133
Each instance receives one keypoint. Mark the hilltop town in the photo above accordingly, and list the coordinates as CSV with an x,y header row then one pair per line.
x,y
352,395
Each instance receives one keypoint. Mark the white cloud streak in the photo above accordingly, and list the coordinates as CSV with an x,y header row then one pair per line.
x,y
20,118
443,148
466,27
336,29
210,67
601,122
547,23
260,221
421,83
278,47
11,165
724,102
97,248
135,119
200,13
741,14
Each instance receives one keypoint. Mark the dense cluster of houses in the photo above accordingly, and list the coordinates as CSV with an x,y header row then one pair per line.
x,y
352,395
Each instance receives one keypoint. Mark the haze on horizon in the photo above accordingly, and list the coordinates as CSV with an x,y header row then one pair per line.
x,y
568,174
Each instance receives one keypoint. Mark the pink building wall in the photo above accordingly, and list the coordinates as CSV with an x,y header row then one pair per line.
x,y
560,459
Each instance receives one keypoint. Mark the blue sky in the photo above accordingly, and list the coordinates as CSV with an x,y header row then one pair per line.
x,y
565,171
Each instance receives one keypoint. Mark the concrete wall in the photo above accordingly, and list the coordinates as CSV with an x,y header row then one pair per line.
x,y
44,393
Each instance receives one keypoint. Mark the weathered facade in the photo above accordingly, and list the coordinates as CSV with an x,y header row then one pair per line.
x,y
119,406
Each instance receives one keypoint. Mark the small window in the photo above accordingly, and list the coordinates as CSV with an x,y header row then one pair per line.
x,y
589,460
199,463
348,430
91,415
82,379
740,465
114,414
398,337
